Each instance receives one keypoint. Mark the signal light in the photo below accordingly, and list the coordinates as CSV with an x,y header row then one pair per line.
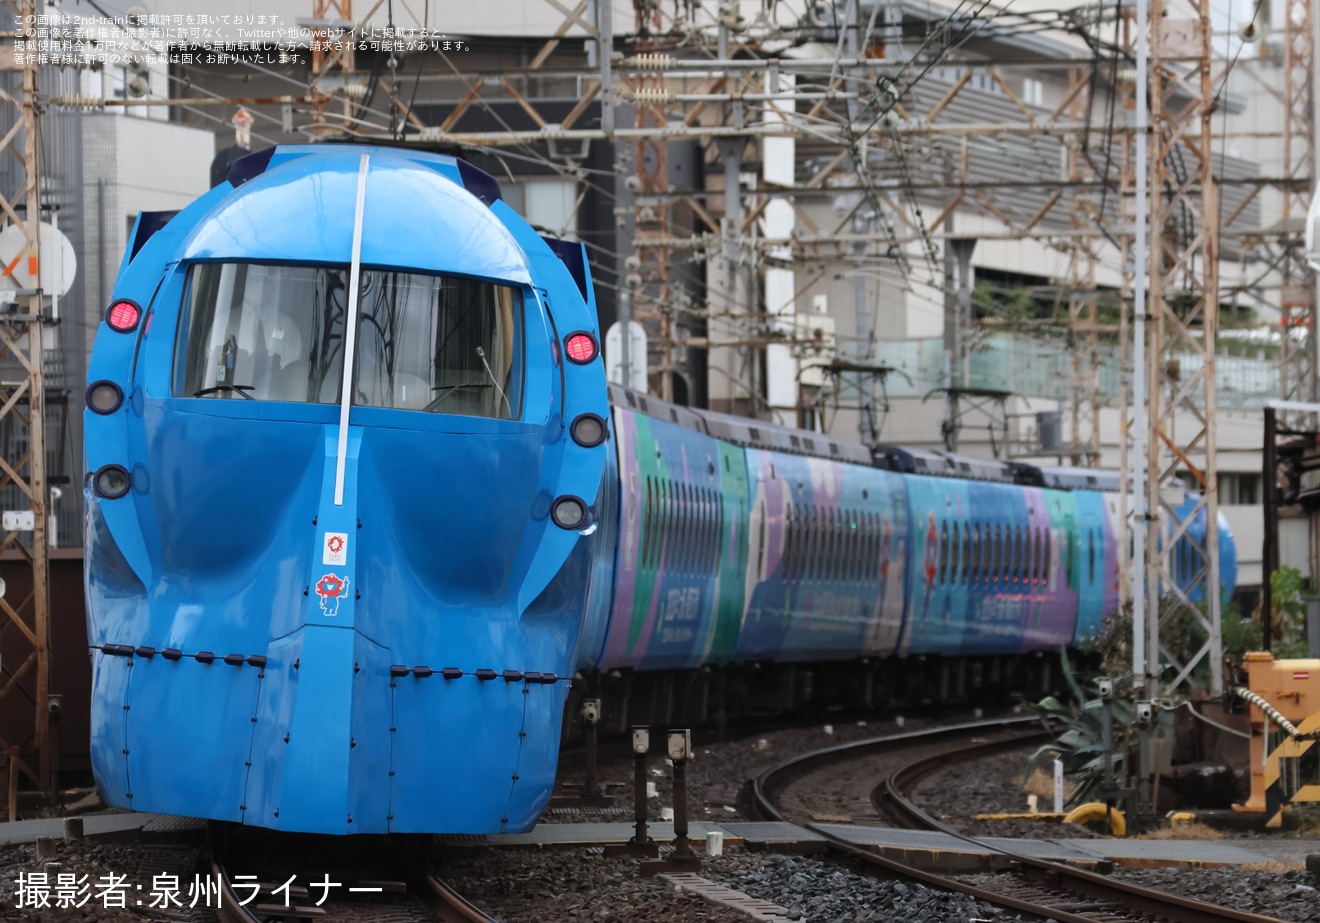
x,y
123,316
569,513
104,397
588,430
111,482
580,348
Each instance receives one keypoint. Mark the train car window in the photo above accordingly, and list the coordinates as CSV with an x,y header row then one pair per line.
x,y
1049,556
944,550
1090,556
829,561
713,539
801,542
700,530
1015,571
992,540
648,525
866,556
657,547
684,534
1037,556
845,543
849,544
839,564
805,543
785,563
425,342
871,561
1028,554
955,550
975,530
861,542
825,546
966,552
711,553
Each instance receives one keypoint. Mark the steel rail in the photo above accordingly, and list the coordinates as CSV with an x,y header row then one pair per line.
x,y
773,780
1057,875
448,904
453,907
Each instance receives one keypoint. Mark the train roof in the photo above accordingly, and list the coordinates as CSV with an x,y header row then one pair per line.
x,y
771,437
1080,478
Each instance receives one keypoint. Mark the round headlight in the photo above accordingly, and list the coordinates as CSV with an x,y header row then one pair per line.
x,y
111,482
569,513
104,397
588,430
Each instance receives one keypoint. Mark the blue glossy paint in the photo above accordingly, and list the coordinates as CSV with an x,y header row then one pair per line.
x,y
220,546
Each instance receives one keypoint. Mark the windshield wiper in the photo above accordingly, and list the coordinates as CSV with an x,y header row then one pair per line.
x,y
448,392
236,389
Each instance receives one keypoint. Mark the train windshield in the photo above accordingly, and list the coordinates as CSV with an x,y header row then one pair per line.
x,y
438,344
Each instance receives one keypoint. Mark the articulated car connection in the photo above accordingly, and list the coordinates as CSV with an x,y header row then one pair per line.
x,y
360,504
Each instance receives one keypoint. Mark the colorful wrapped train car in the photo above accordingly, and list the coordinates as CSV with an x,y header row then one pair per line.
x,y
360,506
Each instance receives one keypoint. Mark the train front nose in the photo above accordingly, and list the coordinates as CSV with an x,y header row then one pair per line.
x,y
398,748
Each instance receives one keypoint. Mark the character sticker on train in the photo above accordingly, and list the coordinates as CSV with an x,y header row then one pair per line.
x,y
331,589
335,551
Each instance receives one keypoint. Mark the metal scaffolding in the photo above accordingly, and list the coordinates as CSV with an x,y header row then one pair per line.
x,y
1183,319
25,624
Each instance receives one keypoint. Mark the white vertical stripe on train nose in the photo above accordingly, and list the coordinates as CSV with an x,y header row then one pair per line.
x,y
350,330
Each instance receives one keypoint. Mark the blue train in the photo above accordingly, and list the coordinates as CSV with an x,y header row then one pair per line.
x,y
360,505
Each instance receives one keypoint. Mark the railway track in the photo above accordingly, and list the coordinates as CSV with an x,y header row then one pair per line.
x,y
273,895
1030,886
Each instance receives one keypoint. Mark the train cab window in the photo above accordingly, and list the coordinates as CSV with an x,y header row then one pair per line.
x,y
425,342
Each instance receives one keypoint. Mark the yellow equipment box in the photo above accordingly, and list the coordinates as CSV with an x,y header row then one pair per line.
x,y
1284,696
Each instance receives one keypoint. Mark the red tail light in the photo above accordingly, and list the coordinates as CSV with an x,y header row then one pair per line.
x,y
580,348
123,316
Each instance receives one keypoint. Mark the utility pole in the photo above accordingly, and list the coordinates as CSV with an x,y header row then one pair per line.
x,y
862,319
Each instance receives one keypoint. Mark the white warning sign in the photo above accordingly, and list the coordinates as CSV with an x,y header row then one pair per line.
x,y
335,550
